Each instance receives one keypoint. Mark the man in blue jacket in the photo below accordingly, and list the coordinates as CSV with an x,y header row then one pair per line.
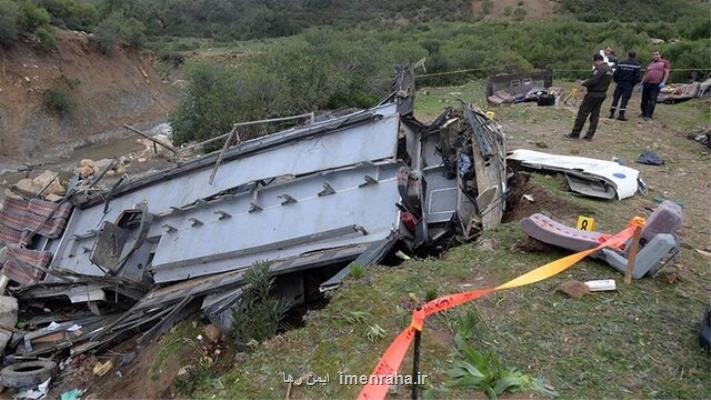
x,y
626,76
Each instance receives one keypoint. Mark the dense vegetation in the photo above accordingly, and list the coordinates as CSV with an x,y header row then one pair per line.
x,y
325,68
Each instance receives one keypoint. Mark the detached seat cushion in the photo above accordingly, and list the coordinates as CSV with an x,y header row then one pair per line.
x,y
545,229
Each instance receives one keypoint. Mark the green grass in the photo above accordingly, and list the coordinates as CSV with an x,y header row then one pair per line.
x,y
637,342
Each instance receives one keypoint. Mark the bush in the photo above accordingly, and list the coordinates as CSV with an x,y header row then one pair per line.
x,y
9,13
519,14
32,17
258,313
487,6
133,32
46,39
71,14
107,33
59,101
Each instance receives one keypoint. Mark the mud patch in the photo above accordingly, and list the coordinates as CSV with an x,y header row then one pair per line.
x,y
526,199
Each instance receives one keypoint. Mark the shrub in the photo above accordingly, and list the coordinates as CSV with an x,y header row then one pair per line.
x,y
59,100
46,39
487,6
107,33
133,32
357,271
32,17
71,14
9,13
519,14
483,371
258,313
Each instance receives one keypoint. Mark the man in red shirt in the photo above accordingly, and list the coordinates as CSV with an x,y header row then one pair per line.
x,y
654,79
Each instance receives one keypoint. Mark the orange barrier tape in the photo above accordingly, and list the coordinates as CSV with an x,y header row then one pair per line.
x,y
389,363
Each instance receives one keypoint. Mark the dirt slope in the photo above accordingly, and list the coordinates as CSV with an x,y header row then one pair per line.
x,y
106,91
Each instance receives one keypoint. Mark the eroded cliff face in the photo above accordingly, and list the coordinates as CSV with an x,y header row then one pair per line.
x,y
103,92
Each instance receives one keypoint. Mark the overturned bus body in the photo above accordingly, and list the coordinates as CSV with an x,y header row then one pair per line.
x,y
311,201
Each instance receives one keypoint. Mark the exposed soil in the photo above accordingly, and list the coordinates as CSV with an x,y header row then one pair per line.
x,y
104,92
519,206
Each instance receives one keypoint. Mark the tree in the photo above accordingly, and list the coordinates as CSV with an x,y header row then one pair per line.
x,y
9,13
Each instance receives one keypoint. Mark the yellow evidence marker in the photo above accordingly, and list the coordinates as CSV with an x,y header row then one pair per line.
x,y
586,224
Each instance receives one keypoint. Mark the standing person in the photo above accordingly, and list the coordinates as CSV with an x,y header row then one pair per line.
x,y
626,76
597,91
654,79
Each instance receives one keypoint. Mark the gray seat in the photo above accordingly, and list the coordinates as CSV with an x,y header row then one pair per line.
x,y
658,239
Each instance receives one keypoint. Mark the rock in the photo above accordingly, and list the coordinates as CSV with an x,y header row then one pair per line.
x,y
184,371
49,178
53,197
86,168
485,245
27,185
141,160
574,289
101,164
656,41
212,333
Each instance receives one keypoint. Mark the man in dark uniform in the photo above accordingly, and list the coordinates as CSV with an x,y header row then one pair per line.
x,y
597,91
626,76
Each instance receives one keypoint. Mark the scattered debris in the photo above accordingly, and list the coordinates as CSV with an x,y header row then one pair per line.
x,y
703,137
74,394
101,369
659,235
704,253
528,197
587,176
574,289
649,157
680,92
603,285
40,392
517,88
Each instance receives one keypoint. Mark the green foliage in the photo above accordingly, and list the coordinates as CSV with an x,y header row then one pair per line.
x,y
355,317
519,14
117,27
508,10
71,14
46,39
58,99
483,371
197,375
631,10
32,16
258,313
375,333
9,13
430,294
133,32
107,33
487,6
357,271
